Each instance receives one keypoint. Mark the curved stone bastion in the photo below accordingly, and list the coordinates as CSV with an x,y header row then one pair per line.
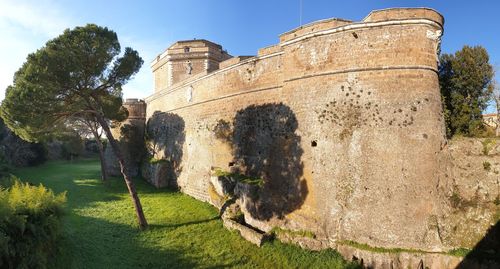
x,y
334,137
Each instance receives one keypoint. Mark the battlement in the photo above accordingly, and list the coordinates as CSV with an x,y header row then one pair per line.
x,y
391,14
184,59
136,108
192,60
376,18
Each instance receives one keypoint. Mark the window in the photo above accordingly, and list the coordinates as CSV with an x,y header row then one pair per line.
x,y
186,49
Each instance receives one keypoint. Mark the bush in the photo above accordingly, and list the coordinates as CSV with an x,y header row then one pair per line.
x,y
29,225
487,166
17,152
5,168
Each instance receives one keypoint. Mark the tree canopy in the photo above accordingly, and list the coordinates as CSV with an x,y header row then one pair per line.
x,y
466,84
77,75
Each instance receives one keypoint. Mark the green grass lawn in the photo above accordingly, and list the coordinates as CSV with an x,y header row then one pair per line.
x,y
100,229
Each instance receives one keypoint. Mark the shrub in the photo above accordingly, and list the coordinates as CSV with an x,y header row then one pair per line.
x,y
487,166
29,225
5,168
488,144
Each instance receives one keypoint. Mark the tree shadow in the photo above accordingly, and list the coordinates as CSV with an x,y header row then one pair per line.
x,y
165,137
174,226
486,253
132,144
265,146
102,244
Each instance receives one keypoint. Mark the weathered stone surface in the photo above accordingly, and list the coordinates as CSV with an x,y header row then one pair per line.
x,y
223,185
470,189
401,260
248,233
157,174
343,123
130,133
184,60
303,242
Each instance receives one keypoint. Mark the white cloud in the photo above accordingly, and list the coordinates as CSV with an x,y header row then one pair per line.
x,y
25,27
39,17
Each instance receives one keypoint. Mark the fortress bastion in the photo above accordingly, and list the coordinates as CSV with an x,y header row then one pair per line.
x,y
338,130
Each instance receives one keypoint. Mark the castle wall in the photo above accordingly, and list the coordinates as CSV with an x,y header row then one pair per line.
x,y
342,121
130,134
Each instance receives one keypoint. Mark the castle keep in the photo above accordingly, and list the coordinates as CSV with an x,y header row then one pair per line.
x,y
337,130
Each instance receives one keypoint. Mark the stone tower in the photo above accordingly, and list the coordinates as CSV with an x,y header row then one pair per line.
x,y
185,59
129,132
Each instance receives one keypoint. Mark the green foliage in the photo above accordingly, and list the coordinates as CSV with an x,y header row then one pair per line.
x,y
378,249
240,178
223,130
497,200
91,145
78,74
465,80
487,166
156,161
455,199
5,168
17,152
132,140
488,144
293,233
459,252
72,147
75,76
29,225
184,232
460,203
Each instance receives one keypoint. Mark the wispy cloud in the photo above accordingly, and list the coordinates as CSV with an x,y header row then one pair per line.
x,y
25,27
40,17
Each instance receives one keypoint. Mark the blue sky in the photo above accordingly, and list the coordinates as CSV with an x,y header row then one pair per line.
x,y
241,27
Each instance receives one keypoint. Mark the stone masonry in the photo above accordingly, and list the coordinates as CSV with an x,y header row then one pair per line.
x,y
341,121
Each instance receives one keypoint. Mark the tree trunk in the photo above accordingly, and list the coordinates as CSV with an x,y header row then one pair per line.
x,y
143,224
104,174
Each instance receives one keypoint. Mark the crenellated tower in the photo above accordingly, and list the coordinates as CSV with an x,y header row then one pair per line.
x,y
185,59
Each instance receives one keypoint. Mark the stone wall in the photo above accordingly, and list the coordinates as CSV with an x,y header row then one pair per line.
x,y
470,185
130,134
341,122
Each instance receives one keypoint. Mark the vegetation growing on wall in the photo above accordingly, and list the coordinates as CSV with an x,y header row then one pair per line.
x,y
240,178
267,156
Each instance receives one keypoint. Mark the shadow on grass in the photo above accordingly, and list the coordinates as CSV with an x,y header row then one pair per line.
x,y
156,226
100,231
95,243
